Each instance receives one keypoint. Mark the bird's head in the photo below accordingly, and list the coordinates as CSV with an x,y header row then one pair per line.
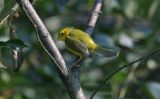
x,y
64,33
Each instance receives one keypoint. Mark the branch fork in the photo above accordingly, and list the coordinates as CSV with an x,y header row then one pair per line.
x,y
69,77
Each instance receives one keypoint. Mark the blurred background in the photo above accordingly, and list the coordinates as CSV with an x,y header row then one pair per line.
x,y
128,26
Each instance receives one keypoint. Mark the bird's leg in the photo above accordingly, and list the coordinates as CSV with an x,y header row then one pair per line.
x,y
78,62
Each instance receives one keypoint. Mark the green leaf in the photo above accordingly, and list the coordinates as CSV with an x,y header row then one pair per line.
x,y
13,43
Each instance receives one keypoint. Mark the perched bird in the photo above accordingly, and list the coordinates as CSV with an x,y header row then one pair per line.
x,y
16,46
81,44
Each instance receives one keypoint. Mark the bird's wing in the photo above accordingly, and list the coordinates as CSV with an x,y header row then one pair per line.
x,y
77,46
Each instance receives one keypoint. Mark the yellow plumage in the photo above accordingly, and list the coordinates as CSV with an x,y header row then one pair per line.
x,y
81,44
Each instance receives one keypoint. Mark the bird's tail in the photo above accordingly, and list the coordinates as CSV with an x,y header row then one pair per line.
x,y
104,52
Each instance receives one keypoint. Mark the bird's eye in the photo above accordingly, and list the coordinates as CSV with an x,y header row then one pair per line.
x,y
62,33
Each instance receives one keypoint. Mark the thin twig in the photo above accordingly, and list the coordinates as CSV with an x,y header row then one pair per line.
x,y
94,16
92,20
44,36
129,79
122,67
13,10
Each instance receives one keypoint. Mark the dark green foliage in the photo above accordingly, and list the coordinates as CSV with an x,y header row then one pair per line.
x,y
128,26
13,43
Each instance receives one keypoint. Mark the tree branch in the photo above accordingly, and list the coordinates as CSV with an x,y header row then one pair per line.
x,y
44,36
94,16
69,77
72,83
122,67
73,79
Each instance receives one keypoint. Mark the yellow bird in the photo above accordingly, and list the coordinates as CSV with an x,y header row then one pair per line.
x,y
81,44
